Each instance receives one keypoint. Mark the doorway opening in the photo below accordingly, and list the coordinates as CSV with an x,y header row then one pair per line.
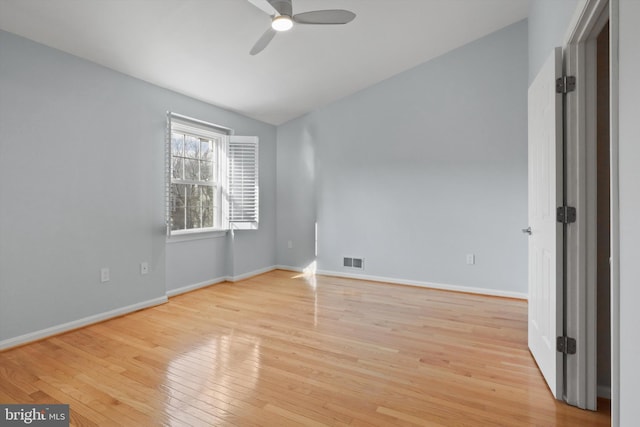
x,y
603,214
588,183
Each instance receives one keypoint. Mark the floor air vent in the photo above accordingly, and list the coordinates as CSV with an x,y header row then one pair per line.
x,y
354,262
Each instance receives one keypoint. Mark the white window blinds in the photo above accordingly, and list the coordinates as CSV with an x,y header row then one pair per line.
x,y
243,188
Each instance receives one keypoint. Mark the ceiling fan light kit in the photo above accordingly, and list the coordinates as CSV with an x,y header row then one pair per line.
x,y
282,23
282,19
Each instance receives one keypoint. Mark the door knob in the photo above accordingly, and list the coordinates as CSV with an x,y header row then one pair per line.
x,y
527,230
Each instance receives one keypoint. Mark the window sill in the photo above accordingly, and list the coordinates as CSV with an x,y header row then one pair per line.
x,y
196,235
244,226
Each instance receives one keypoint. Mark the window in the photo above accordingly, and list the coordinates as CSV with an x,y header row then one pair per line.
x,y
212,178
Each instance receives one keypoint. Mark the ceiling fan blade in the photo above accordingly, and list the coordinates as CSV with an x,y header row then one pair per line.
x,y
324,17
282,6
263,41
264,6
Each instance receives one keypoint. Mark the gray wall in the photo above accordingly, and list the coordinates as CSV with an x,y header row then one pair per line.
x,y
82,187
195,262
629,175
548,23
416,172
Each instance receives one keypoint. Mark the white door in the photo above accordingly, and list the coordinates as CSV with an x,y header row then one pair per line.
x,y
545,240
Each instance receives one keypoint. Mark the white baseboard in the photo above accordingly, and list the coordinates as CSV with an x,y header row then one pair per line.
x,y
189,288
65,327
250,274
193,287
446,287
289,268
442,286
604,391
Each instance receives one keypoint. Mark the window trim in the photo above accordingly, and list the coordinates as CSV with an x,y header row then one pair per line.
x,y
196,235
215,182
203,129
200,129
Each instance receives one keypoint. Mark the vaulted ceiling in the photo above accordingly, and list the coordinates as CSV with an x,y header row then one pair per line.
x,y
201,47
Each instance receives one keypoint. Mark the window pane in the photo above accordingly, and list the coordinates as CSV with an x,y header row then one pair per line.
x,y
206,171
206,149
194,208
207,206
191,146
191,170
178,193
177,144
177,165
177,206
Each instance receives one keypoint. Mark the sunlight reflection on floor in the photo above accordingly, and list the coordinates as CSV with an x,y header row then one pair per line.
x,y
219,370
309,276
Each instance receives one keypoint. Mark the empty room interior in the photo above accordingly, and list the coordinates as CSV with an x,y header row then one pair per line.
x,y
305,212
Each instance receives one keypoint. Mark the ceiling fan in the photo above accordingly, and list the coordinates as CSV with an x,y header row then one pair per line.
x,y
282,19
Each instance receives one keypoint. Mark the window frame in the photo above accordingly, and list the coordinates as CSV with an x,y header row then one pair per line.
x,y
219,135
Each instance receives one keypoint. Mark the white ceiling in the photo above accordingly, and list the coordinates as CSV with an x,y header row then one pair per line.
x,y
201,47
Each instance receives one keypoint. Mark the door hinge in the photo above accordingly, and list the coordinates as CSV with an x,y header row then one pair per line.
x,y
566,345
566,214
565,84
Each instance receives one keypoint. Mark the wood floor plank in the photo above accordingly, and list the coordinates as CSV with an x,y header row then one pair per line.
x,y
280,349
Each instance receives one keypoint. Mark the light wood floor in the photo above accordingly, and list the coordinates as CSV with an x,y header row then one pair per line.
x,y
281,351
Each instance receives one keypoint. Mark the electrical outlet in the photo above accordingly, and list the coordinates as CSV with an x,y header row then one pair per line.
x,y
290,244
471,259
144,268
104,275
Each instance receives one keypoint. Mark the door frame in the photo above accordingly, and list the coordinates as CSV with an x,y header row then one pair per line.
x,y
580,190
